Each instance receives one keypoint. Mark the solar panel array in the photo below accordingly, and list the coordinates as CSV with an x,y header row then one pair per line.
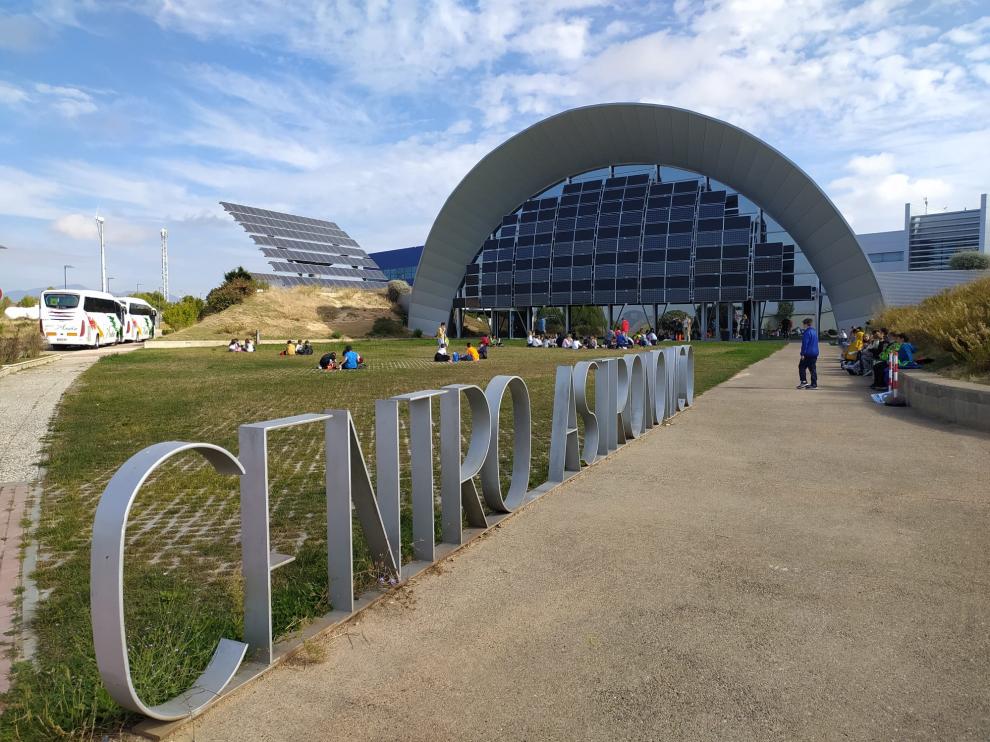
x,y
304,251
630,240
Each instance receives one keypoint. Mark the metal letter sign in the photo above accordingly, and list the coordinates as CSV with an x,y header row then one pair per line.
x,y
632,394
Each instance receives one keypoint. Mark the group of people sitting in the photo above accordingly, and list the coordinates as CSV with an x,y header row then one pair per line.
x,y
297,348
617,338
871,354
443,354
236,346
350,360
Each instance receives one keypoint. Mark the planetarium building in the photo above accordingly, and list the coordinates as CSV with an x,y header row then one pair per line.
x,y
637,204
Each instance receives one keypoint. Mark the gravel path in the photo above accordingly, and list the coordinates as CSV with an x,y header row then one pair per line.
x,y
775,565
27,403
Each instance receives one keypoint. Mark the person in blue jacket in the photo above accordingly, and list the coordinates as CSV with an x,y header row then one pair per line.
x,y
809,356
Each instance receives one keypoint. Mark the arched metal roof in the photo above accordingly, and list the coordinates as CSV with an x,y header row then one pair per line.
x,y
592,137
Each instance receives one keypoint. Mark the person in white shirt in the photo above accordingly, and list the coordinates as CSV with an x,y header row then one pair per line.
x,y
248,346
568,343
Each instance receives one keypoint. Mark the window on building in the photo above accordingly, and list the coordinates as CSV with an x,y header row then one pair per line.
x,y
895,256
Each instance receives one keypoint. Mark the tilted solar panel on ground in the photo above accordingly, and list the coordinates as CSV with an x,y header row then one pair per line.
x,y
304,251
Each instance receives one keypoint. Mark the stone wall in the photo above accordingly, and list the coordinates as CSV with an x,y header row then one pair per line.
x,y
960,402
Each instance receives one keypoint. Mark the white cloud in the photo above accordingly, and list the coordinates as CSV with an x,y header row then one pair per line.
x,y
70,102
972,33
873,192
83,227
11,94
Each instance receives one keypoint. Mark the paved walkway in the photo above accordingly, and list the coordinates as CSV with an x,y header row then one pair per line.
x,y
777,564
27,402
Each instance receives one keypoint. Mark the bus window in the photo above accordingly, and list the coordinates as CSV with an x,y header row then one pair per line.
x,y
106,306
62,301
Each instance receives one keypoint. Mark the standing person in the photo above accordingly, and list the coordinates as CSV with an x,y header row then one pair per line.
x,y
625,326
809,355
442,335
687,329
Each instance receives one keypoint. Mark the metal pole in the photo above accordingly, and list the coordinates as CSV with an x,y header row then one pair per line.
x,y
818,323
164,234
103,258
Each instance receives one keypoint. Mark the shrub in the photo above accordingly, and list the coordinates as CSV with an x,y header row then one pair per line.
x,y
154,298
183,313
969,261
387,327
954,322
417,333
335,335
397,289
22,343
228,294
28,301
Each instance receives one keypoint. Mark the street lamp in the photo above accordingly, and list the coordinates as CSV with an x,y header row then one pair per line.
x,y
65,279
103,260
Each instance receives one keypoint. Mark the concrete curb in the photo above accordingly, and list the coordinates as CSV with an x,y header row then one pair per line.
x,y
13,368
949,400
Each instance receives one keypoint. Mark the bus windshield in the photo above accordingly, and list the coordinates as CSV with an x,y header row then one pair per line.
x,y
62,301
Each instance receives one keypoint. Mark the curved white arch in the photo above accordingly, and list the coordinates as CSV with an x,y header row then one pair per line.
x,y
592,137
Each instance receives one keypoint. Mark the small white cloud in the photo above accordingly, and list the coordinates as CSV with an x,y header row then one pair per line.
x,y
76,226
83,227
972,33
70,102
10,94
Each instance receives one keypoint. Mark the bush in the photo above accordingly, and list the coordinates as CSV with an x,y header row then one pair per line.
x,y
335,335
417,333
387,327
954,322
228,294
969,261
22,343
28,301
154,298
183,313
397,289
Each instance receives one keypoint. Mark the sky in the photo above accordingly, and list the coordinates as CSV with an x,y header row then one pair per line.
x,y
150,112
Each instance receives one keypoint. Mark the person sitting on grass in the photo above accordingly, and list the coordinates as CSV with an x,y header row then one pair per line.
x,y
328,362
233,346
290,349
483,351
441,356
248,345
351,360
470,353
305,349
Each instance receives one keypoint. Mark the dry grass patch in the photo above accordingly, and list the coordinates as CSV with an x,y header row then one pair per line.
x,y
301,312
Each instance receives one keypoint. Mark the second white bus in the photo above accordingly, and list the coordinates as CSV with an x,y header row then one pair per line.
x,y
140,320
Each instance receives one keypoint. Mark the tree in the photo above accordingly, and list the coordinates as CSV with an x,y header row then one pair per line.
x,y
969,260
785,310
672,322
28,301
154,298
238,272
554,317
587,320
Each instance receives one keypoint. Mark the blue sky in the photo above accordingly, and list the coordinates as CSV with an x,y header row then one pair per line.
x,y
152,111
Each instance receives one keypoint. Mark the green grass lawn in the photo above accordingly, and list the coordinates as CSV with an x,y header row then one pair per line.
x,y
183,588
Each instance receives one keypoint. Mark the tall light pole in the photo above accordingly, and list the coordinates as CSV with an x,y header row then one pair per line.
x,y
164,234
65,275
103,257
108,280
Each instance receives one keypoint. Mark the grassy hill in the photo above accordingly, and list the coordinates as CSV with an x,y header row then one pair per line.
x,y
301,312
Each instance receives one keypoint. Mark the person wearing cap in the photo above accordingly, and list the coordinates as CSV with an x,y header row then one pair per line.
x,y
809,355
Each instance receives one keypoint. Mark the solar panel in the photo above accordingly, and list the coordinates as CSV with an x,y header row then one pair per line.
x,y
307,251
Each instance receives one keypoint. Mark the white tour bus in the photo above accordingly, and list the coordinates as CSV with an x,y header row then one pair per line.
x,y
140,320
90,318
